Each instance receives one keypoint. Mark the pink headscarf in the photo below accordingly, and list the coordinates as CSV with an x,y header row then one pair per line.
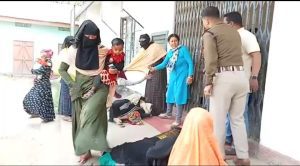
x,y
47,53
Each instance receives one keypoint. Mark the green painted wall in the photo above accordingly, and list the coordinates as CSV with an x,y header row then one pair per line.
x,y
41,36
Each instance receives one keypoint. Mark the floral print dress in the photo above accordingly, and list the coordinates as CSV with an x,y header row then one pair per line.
x,y
39,101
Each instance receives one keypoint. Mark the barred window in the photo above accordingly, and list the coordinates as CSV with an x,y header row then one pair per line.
x,y
63,29
18,24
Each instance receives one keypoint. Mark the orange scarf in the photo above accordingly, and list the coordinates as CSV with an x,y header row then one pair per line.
x,y
196,143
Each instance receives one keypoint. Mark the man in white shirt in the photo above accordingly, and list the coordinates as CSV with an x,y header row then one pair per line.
x,y
252,62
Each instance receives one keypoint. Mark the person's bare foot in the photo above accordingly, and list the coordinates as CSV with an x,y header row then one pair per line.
x,y
85,157
67,118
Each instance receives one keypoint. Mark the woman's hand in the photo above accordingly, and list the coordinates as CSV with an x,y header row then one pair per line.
x,y
113,71
189,80
148,76
151,69
208,90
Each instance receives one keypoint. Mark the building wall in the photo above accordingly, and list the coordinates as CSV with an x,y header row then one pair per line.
x,y
42,36
43,10
280,116
154,16
102,13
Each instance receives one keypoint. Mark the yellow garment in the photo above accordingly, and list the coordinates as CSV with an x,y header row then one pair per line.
x,y
66,56
145,58
56,63
196,143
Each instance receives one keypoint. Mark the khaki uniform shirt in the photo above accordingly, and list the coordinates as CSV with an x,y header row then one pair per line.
x,y
222,47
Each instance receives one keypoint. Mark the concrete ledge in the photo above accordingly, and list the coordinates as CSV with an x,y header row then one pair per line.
x,y
269,156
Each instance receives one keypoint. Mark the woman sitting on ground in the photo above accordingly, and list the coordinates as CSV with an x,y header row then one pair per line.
x,y
196,143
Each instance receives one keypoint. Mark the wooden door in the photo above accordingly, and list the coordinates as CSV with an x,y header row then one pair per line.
x,y
23,57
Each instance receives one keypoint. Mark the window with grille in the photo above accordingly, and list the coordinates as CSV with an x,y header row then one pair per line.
x,y
19,24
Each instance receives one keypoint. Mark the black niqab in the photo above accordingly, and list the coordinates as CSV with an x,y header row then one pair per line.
x,y
145,41
87,49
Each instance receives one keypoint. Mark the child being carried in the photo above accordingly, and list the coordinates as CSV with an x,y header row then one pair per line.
x,y
114,64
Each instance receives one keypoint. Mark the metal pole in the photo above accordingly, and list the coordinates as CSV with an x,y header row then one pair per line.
x,y
73,20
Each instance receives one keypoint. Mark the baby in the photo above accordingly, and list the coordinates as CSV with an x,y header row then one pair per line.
x,y
114,64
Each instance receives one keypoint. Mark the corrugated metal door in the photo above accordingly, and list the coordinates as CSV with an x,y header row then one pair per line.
x,y
257,15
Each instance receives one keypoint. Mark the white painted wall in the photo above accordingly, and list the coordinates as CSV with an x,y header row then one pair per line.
x,y
36,10
109,12
154,16
281,112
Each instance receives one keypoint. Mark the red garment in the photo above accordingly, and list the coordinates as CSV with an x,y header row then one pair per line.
x,y
117,58
106,77
43,62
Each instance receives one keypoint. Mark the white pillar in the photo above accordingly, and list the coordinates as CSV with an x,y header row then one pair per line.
x,y
73,21
281,113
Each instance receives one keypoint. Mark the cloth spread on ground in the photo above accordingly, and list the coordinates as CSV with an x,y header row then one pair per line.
x,y
146,151
145,58
124,109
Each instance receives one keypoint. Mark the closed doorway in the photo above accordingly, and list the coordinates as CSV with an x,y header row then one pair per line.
x,y
22,57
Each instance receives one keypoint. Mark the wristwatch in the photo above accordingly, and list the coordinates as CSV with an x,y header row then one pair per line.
x,y
253,77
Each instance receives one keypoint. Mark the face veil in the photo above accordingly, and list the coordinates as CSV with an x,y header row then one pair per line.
x,y
87,40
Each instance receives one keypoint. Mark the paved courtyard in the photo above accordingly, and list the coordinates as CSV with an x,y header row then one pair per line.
x,y
25,141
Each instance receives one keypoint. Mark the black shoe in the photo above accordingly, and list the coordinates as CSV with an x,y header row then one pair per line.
x,y
34,116
47,120
242,162
230,151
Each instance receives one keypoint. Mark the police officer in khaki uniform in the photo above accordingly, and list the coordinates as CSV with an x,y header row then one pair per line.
x,y
226,81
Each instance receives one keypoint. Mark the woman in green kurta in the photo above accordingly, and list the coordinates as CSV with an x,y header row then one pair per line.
x,y
89,123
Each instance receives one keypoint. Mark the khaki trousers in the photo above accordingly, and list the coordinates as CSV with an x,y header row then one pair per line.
x,y
229,93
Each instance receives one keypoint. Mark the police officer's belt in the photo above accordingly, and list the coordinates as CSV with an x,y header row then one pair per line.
x,y
230,68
